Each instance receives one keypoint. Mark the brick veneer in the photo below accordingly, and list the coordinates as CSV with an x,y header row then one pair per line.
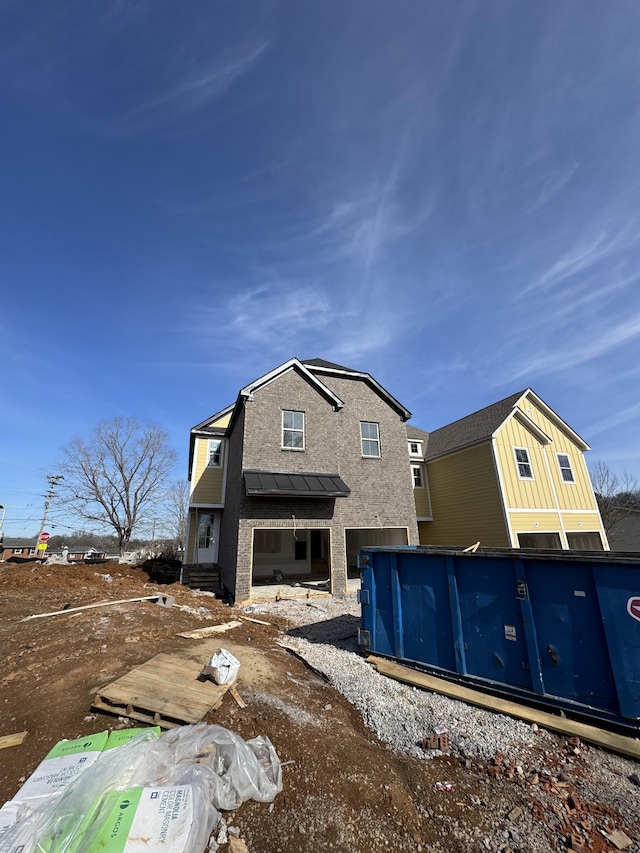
x,y
381,488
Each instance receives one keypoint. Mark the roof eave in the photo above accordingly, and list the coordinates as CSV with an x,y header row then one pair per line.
x,y
563,425
404,413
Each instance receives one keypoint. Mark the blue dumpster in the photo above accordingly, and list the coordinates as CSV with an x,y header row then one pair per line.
x,y
561,627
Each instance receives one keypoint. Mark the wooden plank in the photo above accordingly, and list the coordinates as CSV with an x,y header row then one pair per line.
x,y
237,697
607,740
12,740
90,606
210,629
164,687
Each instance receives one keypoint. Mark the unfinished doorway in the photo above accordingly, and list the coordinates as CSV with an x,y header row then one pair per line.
x,y
291,556
357,538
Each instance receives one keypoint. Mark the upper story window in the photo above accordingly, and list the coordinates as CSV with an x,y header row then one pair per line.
x,y
215,453
565,468
415,448
525,471
370,438
293,430
416,473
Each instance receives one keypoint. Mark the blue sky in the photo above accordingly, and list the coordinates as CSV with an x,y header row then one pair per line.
x,y
442,194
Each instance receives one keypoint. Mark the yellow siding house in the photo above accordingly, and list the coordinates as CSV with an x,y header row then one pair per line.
x,y
510,475
208,451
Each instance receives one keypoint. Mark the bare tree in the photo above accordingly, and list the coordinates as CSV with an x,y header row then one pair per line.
x,y
617,496
117,476
176,510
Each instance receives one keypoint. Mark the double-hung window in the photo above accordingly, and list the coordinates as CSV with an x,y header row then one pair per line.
x,y
416,472
415,448
523,462
565,468
215,453
292,430
370,438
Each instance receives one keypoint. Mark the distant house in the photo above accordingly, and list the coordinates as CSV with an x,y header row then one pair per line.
x,y
17,552
625,534
26,551
308,465
512,474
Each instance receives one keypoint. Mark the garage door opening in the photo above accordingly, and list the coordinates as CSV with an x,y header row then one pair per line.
x,y
587,541
301,556
359,537
541,541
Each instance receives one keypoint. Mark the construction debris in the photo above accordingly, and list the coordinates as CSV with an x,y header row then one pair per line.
x,y
201,633
165,691
162,600
12,740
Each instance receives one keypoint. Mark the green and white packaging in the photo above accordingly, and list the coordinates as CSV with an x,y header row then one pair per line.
x,y
64,762
122,736
140,819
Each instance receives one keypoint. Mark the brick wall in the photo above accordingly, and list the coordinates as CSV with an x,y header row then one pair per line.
x,y
381,488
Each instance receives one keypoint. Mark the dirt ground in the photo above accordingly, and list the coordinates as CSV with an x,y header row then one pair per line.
x,y
343,789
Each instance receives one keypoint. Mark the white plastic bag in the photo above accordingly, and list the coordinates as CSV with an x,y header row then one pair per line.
x,y
223,667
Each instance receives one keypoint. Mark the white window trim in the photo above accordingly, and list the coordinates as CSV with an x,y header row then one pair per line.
x,y
283,446
377,455
518,463
562,468
415,453
417,468
211,464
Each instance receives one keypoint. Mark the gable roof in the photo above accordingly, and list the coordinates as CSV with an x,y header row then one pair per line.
x,y
472,428
320,362
204,426
481,425
292,364
318,365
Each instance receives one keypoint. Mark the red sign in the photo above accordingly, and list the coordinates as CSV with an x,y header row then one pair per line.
x,y
633,607
44,537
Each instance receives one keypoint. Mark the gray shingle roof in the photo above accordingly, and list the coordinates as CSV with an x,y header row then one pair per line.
x,y
470,429
320,362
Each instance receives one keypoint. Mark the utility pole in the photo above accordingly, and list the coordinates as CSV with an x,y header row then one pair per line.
x,y
53,480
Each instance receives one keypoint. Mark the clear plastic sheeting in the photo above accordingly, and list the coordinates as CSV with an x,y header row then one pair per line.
x,y
235,770
199,769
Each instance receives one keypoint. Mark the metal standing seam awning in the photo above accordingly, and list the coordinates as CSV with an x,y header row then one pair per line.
x,y
297,485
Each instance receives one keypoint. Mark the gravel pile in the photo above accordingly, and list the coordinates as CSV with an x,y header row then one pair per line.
x,y
326,638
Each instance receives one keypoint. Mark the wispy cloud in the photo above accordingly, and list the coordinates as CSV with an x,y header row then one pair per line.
x,y
195,90
603,243
615,420
557,357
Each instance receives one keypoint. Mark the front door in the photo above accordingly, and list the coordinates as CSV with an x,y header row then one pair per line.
x,y
208,533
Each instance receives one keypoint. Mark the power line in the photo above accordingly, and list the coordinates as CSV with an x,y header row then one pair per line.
x,y
19,468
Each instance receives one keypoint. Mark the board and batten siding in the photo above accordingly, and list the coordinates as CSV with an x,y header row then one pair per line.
x,y
465,501
208,482
576,495
519,493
